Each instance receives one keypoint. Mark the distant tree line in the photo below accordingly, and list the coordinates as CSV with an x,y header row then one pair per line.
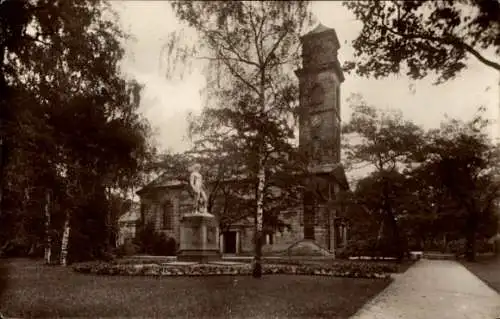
x,y
435,189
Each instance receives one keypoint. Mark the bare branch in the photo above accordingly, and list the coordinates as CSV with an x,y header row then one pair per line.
x,y
255,33
276,44
229,48
236,73
448,40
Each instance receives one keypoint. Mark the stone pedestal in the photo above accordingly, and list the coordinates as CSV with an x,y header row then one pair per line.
x,y
199,238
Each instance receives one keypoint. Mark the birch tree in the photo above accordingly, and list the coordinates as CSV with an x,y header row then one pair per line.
x,y
47,256
250,50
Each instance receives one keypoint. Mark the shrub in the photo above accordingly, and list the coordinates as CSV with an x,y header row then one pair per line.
x,y
36,251
457,247
164,246
370,248
128,248
356,248
153,243
483,246
18,247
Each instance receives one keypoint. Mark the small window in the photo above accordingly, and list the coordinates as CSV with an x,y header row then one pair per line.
x,y
168,215
316,96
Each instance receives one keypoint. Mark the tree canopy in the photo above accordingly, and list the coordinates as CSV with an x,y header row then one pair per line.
x,y
69,120
418,37
463,160
384,141
424,185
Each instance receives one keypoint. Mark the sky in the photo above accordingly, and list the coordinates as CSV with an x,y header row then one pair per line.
x,y
166,104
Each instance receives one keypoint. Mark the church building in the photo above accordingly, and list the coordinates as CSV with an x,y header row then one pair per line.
x,y
316,221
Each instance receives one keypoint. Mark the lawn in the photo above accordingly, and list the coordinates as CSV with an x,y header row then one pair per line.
x,y
487,269
34,290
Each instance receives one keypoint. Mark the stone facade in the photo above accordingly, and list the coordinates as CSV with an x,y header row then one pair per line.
x,y
164,206
164,202
319,83
155,209
127,225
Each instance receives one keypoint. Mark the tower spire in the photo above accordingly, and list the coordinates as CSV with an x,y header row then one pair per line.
x,y
314,21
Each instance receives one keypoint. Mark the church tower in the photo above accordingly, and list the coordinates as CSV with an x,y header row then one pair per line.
x,y
319,83
320,132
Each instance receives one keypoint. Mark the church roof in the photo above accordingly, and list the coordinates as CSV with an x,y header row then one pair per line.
x,y
170,181
132,215
320,28
164,180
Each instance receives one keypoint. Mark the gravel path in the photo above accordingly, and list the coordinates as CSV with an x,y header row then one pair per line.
x,y
440,289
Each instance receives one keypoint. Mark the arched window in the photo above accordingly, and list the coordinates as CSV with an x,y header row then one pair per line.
x,y
168,215
316,148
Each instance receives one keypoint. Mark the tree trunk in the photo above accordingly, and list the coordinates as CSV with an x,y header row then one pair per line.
x,y
470,239
445,242
5,144
261,180
380,231
5,151
397,237
3,138
392,222
48,238
259,218
65,241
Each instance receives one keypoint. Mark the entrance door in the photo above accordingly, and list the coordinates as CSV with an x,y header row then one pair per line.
x,y
308,215
230,242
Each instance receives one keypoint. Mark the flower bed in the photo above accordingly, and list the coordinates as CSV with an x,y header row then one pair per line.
x,y
143,260
353,270
347,265
375,266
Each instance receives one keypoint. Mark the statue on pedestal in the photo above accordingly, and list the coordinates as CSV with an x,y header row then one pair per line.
x,y
200,196
198,231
